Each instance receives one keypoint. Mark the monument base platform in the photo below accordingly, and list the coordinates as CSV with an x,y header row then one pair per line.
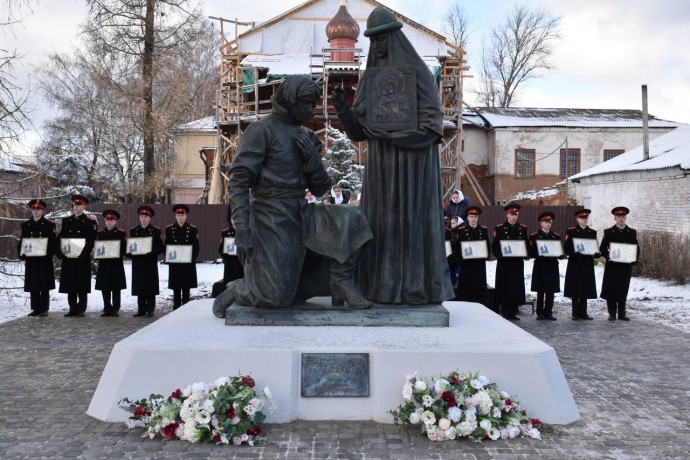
x,y
319,312
191,345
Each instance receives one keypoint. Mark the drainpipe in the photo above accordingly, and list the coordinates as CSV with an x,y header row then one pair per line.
x,y
645,124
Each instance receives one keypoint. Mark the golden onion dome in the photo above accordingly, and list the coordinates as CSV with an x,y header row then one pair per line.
x,y
342,25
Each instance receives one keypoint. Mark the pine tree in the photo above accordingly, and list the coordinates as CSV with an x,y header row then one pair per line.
x,y
339,162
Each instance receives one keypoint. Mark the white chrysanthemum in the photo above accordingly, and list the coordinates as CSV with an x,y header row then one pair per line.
x,y
187,392
135,424
485,425
534,434
484,380
496,412
202,417
476,384
454,414
440,385
249,410
427,401
494,434
465,428
415,418
407,391
224,438
444,424
187,411
484,402
471,410
505,395
221,381
451,433
199,391
513,431
208,406
419,386
192,433
428,418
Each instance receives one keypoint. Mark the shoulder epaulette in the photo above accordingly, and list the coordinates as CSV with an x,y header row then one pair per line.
x,y
556,234
168,226
571,228
534,233
193,226
523,225
481,226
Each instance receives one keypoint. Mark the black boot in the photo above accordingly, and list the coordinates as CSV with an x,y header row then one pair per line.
x,y
621,311
343,284
583,310
576,309
611,305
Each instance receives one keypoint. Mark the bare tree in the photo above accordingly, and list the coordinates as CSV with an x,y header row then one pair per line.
x,y
456,25
96,140
517,51
145,29
14,118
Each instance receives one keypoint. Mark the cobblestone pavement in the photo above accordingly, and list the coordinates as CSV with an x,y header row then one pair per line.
x,y
631,382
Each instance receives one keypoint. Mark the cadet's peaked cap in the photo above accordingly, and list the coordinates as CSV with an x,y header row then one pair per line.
x,y
79,199
512,207
147,210
37,204
620,211
548,215
180,208
583,212
111,214
381,20
476,210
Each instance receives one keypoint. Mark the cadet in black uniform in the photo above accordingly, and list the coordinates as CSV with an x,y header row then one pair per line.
x,y
580,283
110,278
39,274
232,268
616,283
145,266
472,277
75,275
510,271
546,279
182,276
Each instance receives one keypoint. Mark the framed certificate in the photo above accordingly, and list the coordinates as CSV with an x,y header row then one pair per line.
x,y
106,249
586,246
229,247
513,248
72,247
549,248
449,249
139,245
34,247
622,253
474,249
178,254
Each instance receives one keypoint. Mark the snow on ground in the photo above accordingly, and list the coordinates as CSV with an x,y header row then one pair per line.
x,y
653,300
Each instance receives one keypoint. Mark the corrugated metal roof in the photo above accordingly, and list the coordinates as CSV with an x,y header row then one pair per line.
x,y
207,124
518,117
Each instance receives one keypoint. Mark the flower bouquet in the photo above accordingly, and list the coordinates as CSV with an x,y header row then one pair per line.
x,y
228,411
459,405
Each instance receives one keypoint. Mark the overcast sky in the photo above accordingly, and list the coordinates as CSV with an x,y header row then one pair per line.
x,y
607,51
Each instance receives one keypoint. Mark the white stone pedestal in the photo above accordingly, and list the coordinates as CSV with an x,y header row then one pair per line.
x,y
191,345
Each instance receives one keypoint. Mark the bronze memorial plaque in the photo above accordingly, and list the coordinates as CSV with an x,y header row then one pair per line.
x,y
391,98
339,375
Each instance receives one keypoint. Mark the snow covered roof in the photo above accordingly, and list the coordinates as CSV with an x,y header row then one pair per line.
x,y
10,165
207,124
671,150
509,117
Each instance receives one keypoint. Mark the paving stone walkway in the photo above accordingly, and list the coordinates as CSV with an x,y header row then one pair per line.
x,y
631,382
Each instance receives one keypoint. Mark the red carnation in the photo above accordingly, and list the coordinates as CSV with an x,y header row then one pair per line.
x,y
455,381
248,381
141,411
216,438
230,413
449,398
169,430
536,422
175,394
255,431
